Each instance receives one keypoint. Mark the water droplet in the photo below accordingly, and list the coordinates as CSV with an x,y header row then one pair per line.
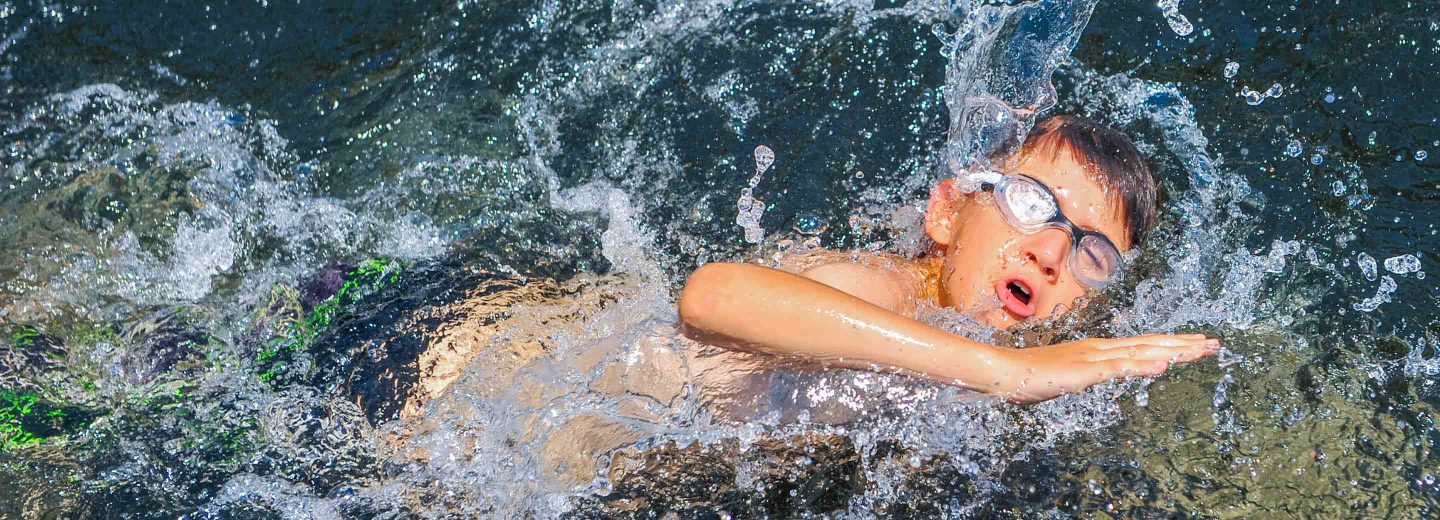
x,y
1367,266
1252,97
1337,188
764,157
1178,22
1231,68
1382,295
1420,155
748,212
1371,138
1255,97
1294,148
1329,98
1403,264
1316,159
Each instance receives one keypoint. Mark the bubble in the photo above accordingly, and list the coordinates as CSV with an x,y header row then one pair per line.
x,y
1367,266
1371,139
1337,188
1403,264
1316,159
1231,68
1294,148
1275,91
1329,98
1420,155
764,157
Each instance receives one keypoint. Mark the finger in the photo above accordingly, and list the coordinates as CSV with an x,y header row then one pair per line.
x,y
1118,368
1180,354
1164,340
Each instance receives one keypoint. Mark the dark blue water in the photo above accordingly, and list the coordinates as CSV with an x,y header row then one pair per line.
x,y
233,230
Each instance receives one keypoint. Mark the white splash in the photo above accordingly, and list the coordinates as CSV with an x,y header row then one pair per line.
x,y
1382,295
1403,264
748,209
1178,22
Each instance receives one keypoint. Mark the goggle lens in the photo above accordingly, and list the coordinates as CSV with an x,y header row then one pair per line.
x,y
1096,260
1031,207
1030,204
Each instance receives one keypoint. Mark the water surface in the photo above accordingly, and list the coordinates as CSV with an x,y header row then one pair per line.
x,y
235,230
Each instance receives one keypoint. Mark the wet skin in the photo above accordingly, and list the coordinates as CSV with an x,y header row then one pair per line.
x,y
981,252
859,314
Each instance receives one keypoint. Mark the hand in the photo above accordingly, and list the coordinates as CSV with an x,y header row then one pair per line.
x,y
1042,373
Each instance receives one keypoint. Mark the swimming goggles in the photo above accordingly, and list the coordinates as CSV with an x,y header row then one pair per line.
x,y
1031,207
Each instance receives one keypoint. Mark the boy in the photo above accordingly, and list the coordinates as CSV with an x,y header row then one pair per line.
x,y
1044,230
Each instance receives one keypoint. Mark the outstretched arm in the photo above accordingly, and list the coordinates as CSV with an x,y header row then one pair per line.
x,y
753,308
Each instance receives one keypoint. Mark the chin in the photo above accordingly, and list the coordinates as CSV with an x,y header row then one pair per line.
x,y
1000,319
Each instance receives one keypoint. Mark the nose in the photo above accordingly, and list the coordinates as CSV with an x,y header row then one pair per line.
x,y
1047,249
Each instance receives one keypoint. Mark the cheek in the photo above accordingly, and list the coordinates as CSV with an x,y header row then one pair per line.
x,y
1062,298
969,272
984,239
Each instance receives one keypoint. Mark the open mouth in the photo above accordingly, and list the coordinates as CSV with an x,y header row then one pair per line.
x,y
1016,295
1020,291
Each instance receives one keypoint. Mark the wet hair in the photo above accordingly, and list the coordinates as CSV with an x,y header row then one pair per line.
x,y
1114,162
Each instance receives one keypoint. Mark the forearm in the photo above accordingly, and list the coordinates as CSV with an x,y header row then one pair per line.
x,y
756,308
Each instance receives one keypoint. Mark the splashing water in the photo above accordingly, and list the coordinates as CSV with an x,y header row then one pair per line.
x,y
1382,295
1367,266
1255,97
1231,69
997,85
1178,22
191,305
749,210
1402,264
764,157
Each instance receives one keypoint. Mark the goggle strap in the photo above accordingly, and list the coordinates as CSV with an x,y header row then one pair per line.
x,y
991,177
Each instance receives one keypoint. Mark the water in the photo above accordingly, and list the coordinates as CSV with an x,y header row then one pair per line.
x,y
293,261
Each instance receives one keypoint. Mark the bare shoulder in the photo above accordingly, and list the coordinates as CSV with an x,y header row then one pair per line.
x,y
886,280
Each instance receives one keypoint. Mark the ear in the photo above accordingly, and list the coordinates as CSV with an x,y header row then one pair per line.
x,y
940,212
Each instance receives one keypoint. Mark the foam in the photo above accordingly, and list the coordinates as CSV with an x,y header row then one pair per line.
x,y
237,194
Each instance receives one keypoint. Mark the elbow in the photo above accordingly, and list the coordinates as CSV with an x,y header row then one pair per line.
x,y
704,295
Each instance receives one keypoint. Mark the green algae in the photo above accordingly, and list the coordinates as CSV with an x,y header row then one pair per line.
x,y
27,419
24,336
298,333
15,407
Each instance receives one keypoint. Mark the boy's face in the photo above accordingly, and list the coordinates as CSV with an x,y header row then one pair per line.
x,y
989,266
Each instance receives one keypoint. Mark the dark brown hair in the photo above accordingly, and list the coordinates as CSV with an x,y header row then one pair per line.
x,y
1112,158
